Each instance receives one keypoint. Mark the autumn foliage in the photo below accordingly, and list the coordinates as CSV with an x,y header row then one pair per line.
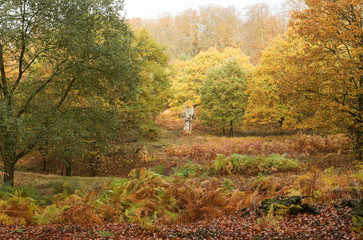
x,y
302,146
104,97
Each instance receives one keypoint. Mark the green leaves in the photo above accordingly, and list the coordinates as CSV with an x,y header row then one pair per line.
x,y
223,95
64,67
254,164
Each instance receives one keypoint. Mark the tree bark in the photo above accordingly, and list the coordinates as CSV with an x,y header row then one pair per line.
x,y
9,160
359,132
93,162
44,163
9,156
231,133
9,168
281,123
189,116
358,144
68,168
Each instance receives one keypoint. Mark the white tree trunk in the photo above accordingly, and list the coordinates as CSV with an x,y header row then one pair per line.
x,y
189,116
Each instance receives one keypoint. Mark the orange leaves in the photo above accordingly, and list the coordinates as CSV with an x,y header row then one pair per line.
x,y
333,33
303,145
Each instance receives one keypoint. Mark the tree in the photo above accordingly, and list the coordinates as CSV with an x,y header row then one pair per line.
x,y
260,27
189,116
218,27
195,30
333,31
271,87
188,24
72,59
223,95
153,87
188,76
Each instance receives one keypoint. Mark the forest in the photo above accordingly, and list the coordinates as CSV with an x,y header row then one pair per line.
x,y
211,123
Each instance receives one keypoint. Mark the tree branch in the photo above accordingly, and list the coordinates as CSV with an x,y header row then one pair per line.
x,y
23,47
25,32
20,66
4,87
25,151
65,94
26,68
23,109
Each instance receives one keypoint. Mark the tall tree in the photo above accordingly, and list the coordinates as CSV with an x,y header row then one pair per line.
x,y
68,55
259,28
272,94
188,75
195,30
153,87
223,96
188,25
218,27
333,31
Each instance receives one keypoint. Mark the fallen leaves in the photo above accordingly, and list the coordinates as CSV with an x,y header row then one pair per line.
x,y
330,223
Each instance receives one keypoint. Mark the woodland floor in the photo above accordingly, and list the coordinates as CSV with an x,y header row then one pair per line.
x,y
331,223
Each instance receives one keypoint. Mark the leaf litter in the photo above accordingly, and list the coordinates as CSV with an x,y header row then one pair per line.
x,y
330,223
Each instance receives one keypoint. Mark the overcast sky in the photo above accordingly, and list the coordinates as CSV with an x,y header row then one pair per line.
x,y
154,8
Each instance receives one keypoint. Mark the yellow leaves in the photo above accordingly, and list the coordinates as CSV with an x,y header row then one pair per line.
x,y
188,76
6,220
18,209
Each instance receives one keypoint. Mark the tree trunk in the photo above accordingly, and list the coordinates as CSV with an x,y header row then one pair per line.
x,y
187,128
44,153
359,132
68,168
358,144
281,122
231,129
44,164
9,173
9,157
94,166
189,116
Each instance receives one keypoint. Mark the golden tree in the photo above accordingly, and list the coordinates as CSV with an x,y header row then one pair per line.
x,y
333,31
188,76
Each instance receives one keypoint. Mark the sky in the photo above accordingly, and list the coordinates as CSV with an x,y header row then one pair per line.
x,y
154,8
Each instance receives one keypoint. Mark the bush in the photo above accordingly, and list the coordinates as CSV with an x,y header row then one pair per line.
x,y
150,131
18,209
191,170
254,164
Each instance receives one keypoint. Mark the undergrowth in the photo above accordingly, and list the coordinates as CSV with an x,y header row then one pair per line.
x,y
221,177
303,146
145,198
193,193
255,164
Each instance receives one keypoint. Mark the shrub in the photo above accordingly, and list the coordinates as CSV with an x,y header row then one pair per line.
x,y
150,131
18,209
191,170
254,164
